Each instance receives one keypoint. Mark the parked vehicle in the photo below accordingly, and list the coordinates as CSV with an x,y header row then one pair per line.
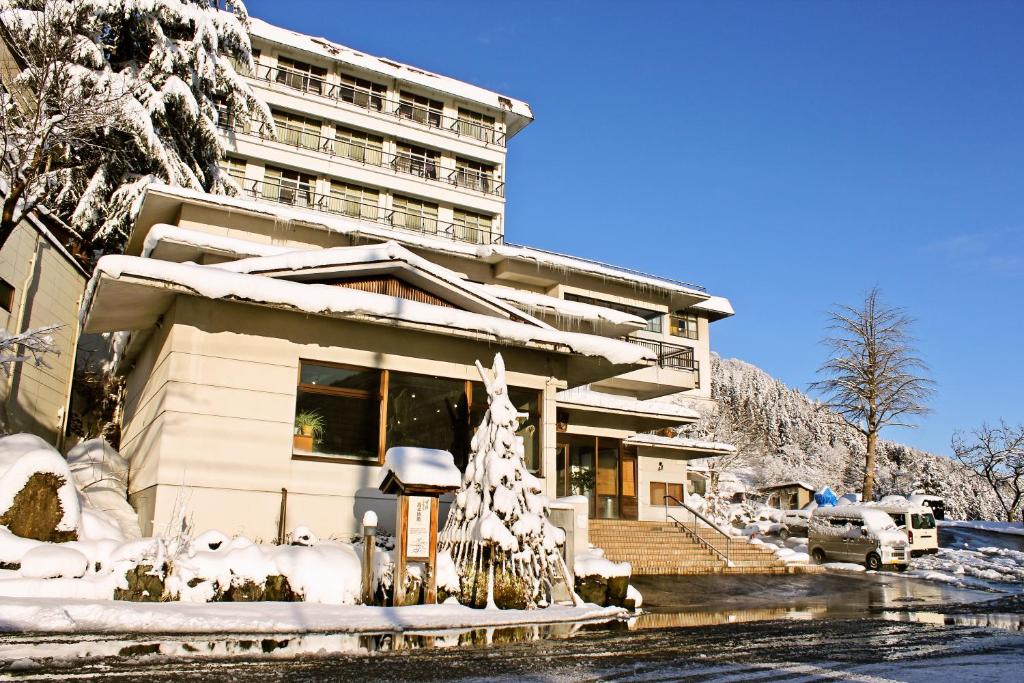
x,y
795,521
856,533
918,522
937,505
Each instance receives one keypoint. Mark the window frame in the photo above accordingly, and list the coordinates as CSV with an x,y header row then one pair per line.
x,y
7,292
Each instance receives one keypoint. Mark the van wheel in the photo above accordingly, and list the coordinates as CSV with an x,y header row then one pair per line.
x,y
783,533
874,562
818,555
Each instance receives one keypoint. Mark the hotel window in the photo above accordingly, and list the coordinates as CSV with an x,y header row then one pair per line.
x,y
696,483
288,187
418,161
301,76
414,214
355,201
6,295
653,318
347,400
660,489
359,146
296,130
229,120
473,124
683,325
361,92
473,227
233,167
420,109
364,412
474,174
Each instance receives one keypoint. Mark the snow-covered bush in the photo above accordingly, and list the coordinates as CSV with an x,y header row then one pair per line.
x,y
505,551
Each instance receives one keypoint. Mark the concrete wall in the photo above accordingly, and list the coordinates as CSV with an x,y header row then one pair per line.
x,y
210,406
47,290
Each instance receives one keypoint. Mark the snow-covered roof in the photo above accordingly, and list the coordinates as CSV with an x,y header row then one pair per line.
x,y
328,49
421,467
716,307
382,257
200,242
612,322
588,398
787,484
680,443
489,253
140,290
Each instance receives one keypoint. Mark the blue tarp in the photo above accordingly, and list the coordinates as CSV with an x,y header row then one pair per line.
x,y
825,497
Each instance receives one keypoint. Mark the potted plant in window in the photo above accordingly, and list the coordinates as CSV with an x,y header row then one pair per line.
x,y
309,430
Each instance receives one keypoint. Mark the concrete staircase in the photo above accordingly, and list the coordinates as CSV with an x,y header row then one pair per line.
x,y
663,548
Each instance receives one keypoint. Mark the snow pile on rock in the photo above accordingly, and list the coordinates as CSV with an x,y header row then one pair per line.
x,y
101,475
37,491
594,563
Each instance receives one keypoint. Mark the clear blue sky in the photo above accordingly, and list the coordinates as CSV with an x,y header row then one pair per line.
x,y
786,155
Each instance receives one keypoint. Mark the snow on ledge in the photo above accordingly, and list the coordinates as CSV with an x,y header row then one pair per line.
x,y
584,396
422,467
535,302
217,283
221,244
680,442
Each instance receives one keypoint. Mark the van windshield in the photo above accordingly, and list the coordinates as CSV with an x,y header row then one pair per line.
x,y
925,521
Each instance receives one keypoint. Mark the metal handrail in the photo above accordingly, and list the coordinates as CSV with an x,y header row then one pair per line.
x,y
669,355
419,165
694,533
377,101
303,196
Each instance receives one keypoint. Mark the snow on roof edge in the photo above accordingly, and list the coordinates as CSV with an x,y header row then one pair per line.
x,y
584,396
680,442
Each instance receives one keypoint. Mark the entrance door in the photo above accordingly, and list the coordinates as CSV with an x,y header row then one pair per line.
x,y
629,507
602,470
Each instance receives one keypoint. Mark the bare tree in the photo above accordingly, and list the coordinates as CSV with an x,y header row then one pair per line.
x,y
31,345
49,108
997,455
716,425
874,378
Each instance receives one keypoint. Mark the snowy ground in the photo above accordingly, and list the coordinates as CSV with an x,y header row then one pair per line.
x,y
106,616
1012,528
990,568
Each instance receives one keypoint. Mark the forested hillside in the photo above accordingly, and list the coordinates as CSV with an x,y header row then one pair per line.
x,y
795,437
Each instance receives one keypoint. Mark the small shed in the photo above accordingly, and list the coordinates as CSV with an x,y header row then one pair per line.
x,y
789,495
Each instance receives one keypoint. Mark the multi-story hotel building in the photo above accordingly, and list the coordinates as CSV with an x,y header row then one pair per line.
x,y
388,184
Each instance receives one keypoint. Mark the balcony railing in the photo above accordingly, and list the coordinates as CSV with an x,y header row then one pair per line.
x,y
419,165
303,196
669,355
376,101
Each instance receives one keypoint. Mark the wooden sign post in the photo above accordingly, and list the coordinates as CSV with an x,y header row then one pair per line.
x,y
417,512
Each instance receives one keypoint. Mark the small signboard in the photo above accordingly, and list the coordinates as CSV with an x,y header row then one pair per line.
x,y
417,537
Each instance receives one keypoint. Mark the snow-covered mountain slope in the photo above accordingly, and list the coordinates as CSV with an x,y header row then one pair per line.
x,y
799,439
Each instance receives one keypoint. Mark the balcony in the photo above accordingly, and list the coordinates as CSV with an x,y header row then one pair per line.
x,y
421,166
302,196
374,100
677,370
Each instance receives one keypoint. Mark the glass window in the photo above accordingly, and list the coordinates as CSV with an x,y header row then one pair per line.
x,y
653,318
428,412
347,402
300,75
526,401
418,161
414,214
683,325
474,124
233,167
475,175
296,130
925,521
420,109
353,200
6,295
288,187
361,92
359,146
473,227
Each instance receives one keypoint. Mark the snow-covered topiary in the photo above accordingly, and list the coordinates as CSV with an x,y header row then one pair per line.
x,y
505,551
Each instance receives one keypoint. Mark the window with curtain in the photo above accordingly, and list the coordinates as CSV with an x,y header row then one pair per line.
x,y
297,130
683,325
473,227
475,175
301,76
414,214
359,146
288,187
361,92
420,109
477,125
418,161
354,200
234,167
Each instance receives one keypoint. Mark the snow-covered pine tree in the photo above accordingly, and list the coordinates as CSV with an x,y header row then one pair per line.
x,y
172,65
498,535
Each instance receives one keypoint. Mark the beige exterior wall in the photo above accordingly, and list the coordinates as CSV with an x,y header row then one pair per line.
x,y
47,290
210,406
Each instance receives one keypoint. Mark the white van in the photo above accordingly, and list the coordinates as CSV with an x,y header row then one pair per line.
x,y
857,533
918,522
935,503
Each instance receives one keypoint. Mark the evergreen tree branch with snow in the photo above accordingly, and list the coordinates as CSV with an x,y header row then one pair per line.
x,y
167,73
873,376
505,550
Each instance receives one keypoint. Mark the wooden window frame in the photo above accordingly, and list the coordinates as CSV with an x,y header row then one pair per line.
x,y
7,291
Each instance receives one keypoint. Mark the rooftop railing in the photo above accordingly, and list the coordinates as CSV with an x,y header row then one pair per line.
x,y
302,195
419,165
375,100
669,355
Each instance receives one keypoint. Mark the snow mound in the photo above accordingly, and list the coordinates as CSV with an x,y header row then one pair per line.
x,y
594,563
52,561
23,455
101,475
422,466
